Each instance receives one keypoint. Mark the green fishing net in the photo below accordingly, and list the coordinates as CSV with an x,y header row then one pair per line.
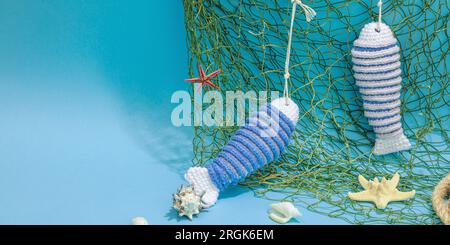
x,y
332,144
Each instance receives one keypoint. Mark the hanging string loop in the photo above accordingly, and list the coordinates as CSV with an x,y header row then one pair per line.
x,y
309,14
380,14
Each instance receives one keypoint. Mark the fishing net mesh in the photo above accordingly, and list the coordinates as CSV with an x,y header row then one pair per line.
x,y
332,144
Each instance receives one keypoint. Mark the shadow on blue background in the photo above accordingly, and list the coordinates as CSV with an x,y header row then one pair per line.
x,y
85,132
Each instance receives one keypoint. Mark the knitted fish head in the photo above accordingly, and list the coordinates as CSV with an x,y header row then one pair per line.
x,y
372,37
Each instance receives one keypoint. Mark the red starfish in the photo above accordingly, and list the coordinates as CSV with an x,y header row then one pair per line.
x,y
204,79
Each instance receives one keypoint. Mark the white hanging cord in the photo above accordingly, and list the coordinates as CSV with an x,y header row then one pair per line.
x,y
380,5
309,14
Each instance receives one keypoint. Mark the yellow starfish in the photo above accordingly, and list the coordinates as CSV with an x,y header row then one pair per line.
x,y
380,193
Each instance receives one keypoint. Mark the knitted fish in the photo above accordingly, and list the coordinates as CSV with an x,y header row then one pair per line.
x,y
260,141
376,60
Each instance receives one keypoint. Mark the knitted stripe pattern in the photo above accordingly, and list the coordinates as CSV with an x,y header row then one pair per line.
x,y
260,141
376,66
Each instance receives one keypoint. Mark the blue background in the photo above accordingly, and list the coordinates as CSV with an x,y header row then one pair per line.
x,y
85,131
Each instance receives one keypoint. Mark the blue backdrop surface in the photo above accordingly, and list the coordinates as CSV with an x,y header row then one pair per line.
x,y
85,131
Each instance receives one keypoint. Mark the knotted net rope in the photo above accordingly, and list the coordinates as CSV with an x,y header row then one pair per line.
x,y
332,144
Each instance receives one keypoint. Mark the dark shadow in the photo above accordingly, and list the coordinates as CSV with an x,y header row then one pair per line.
x,y
172,214
167,144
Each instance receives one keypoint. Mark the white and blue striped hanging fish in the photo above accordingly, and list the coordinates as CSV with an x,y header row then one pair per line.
x,y
376,66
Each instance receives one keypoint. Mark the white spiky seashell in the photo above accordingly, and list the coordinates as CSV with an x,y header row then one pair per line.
x,y
187,202
283,212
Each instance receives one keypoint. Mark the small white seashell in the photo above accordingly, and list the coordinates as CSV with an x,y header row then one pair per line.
x,y
283,212
139,221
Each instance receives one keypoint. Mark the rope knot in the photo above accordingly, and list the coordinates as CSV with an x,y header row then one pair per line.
x,y
287,75
310,13
379,4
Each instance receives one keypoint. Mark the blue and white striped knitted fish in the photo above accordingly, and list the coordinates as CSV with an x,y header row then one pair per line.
x,y
260,141
376,63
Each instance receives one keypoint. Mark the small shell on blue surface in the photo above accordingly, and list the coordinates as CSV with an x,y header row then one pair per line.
x,y
139,221
283,212
187,202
